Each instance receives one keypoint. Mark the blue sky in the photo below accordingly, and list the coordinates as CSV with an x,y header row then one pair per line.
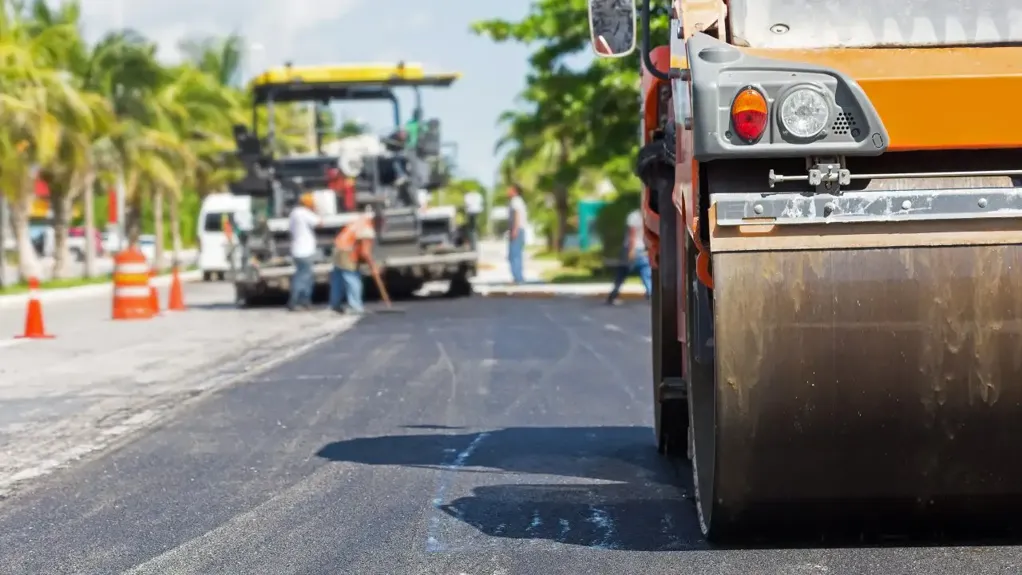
x,y
306,32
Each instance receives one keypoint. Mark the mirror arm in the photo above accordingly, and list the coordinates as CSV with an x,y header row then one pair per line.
x,y
645,48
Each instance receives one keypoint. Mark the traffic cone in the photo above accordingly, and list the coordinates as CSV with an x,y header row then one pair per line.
x,y
34,328
154,294
177,293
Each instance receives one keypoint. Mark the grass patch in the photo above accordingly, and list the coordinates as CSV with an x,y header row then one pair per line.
x,y
72,282
584,276
546,255
57,284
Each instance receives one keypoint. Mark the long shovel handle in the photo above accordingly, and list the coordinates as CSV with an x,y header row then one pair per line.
x,y
379,281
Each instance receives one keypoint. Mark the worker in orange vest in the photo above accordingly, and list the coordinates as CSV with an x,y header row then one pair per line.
x,y
344,187
352,246
225,225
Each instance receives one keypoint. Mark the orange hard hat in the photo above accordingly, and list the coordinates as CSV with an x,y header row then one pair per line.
x,y
307,200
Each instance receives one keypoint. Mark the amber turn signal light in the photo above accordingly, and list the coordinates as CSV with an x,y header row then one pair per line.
x,y
749,115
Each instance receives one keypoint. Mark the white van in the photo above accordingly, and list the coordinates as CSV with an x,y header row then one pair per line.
x,y
213,245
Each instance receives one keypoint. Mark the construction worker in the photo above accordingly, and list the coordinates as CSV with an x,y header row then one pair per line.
x,y
412,128
635,258
344,187
517,222
352,246
473,208
225,225
303,221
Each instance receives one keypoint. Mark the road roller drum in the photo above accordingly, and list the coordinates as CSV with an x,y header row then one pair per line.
x,y
857,385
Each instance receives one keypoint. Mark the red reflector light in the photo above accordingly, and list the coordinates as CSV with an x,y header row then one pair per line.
x,y
749,115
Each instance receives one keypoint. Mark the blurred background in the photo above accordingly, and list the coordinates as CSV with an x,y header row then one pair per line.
x,y
113,96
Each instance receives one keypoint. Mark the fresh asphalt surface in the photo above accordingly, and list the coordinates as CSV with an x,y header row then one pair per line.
x,y
468,437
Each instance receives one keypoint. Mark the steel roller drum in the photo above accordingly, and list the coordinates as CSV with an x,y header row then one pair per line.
x,y
857,387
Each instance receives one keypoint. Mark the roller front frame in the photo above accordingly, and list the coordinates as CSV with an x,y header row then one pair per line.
x,y
867,343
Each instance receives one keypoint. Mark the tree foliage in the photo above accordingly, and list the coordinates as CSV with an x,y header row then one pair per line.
x,y
83,116
573,126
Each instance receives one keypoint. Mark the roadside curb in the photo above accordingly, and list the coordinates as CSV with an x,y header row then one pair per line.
x,y
91,290
552,294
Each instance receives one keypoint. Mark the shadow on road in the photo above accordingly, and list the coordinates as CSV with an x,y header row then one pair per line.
x,y
609,490
621,494
621,454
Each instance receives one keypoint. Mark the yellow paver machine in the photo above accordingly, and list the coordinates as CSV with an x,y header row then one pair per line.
x,y
348,175
834,207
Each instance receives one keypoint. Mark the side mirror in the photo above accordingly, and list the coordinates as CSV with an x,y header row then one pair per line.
x,y
612,27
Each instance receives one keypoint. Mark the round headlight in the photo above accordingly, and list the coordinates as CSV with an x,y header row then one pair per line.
x,y
804,113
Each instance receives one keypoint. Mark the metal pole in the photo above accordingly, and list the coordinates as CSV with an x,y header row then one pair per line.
x,y
489,202
312,127
122,219
3,241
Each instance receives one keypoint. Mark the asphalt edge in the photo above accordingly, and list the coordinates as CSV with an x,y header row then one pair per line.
x,y
550,294
164,409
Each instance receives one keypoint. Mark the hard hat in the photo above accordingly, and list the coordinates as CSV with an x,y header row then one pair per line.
x,y
308,201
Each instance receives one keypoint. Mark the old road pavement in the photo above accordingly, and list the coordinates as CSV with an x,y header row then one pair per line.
x,y
468,437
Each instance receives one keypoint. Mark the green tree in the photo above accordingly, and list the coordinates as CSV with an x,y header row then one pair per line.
x,y
351,128
569,121
78,115
220,58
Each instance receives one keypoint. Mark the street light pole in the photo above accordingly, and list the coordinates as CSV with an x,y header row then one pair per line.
x,y
489,202
3,241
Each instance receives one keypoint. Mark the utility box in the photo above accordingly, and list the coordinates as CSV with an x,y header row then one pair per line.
x,y
588,234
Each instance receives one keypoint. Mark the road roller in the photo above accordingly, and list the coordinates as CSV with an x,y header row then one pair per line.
x,y
834,208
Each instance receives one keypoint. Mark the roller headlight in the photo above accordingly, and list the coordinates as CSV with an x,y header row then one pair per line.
x,y
804,113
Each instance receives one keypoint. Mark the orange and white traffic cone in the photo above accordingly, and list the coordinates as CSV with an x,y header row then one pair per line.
x,y
154,294
34,327
176,302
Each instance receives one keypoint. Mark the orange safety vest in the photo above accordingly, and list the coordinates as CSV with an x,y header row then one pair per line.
x,y
350,234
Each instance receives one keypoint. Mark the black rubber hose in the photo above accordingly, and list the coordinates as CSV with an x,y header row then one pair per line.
x,y
646,60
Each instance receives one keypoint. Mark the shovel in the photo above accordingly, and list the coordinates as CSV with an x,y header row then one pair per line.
x,y
388,306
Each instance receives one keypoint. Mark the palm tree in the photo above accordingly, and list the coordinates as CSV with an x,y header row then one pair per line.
x,y
539,157
38,100
219,58
85,117
80,114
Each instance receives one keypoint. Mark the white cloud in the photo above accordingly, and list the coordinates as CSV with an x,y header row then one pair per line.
x,y
279,25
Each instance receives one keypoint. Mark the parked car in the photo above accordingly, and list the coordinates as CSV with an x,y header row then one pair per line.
x,y
43,239
111,241
76,243
147,243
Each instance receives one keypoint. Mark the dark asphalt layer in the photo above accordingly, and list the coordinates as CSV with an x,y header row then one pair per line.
x,y
472,437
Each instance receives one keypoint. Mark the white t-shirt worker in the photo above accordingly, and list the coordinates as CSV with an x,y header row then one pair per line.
x,y
521,213
473,203
636,226
303,222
